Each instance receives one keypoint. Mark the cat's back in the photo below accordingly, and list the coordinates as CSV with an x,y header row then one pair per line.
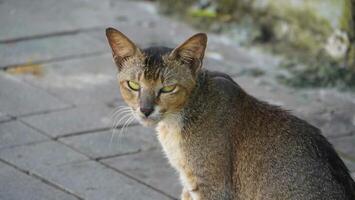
x,y
277,155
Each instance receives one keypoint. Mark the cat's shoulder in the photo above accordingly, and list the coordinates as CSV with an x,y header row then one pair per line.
x,y
223,82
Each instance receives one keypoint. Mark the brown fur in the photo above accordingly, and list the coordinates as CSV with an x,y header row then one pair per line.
x,y
224,143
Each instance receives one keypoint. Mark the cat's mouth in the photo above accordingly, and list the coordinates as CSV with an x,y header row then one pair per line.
x,y
150,120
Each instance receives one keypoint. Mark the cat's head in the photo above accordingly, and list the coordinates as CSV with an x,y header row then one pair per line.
x,y
156,81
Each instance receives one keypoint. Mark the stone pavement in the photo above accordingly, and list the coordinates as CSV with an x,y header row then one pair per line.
x,y
58,91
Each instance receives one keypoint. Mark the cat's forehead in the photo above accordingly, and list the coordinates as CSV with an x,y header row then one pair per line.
x,y
154,61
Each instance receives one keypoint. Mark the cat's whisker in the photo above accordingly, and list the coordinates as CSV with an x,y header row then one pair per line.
x,y
118,109
119,119
126,124
125,116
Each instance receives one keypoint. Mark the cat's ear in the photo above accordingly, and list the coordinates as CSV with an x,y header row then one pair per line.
x,y
192,51
122,47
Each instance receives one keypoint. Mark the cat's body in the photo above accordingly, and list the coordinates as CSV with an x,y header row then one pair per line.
x,y
242,148
224,143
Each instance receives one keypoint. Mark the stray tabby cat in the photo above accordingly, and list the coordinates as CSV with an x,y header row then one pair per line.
x,y
224,143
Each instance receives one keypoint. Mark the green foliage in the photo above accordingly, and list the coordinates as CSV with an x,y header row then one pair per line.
x,y
319,74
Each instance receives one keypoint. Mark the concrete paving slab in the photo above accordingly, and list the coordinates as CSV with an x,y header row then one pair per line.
x,y
19,98
89,80
41,157
68,169
71,121
15,133
150,167
15,185
57,16
345,147
334,114
60,47
94,181
108,143
4,117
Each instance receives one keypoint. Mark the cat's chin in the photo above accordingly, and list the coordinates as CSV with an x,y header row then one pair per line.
x,y
148,122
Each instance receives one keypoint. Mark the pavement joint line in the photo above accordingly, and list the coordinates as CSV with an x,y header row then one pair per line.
x,y
92,131
124,154
52,34
56,59
84,132
118,171
43,180
26,144
118,155
139,181
43,112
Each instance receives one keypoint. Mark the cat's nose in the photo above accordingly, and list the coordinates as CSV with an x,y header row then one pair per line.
x,y
147,111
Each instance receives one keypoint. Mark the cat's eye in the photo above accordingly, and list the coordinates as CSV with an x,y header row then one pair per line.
x,y
167,89
133,85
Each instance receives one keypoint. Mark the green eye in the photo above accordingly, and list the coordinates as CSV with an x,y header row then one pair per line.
x,y
167,89
133,85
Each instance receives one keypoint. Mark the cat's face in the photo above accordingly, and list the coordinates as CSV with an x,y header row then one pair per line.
x,y
157,81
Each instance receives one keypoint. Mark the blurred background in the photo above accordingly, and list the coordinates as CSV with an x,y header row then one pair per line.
x,y
59,97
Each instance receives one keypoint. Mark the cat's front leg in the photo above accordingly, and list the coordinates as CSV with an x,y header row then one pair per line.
x,y
185,194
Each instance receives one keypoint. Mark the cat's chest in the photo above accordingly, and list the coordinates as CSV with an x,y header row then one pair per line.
x,y
170,136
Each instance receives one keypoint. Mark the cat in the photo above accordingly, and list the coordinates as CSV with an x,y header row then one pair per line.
x,y
224,143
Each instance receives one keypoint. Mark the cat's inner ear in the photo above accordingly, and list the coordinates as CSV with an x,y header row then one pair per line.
x,y
192,51
122,47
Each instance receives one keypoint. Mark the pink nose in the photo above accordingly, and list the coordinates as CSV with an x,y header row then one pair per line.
x,y
147,111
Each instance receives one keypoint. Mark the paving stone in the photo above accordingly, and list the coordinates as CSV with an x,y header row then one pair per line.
x,y
41,157
81,81
346,149
63,166
14,133
345,145
19,98
150,167
56,16
109,143
29,51
94,181
4,117
334,114
69,121
15,185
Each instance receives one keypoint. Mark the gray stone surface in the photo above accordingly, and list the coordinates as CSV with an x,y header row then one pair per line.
x,y
27,52
4,117
345,147
63,166
41,158
93,181
56,16
108,143
89,80
14,133
18,98
151,167
15,185
75,120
